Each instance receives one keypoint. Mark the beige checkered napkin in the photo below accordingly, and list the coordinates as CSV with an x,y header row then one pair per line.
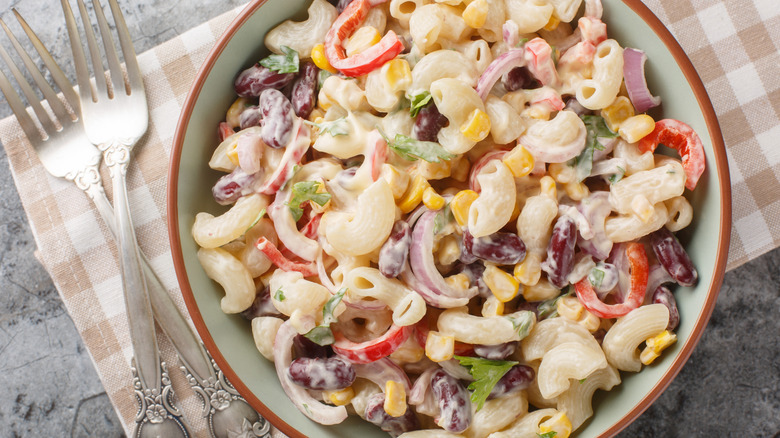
x,y
733,44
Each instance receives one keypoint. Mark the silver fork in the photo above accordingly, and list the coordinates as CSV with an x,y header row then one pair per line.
x,y
115,116
67,153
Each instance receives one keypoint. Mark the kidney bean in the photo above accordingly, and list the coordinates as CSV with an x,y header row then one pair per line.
x,y
496,352
256,79
395,251
673,257
453,400
519,78
498,248
560,252
663,295
321,373
465,255
278,118
395,426
518,377
304,88
261,306
230,187
251,116
428,123
305,347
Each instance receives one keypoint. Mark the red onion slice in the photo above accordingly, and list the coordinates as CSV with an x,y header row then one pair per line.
x,y
505,62
423,264
636,83
596,208
308,405
382,371
655,278
287,230
432,298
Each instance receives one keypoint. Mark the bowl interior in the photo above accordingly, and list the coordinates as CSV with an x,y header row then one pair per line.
x,y
229,337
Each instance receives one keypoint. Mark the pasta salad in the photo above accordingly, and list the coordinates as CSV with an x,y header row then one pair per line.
x,y
448,218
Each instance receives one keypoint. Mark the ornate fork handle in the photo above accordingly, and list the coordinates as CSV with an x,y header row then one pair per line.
x,y
223,406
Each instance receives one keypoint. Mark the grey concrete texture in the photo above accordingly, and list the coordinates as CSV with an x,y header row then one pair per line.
x,y
729,387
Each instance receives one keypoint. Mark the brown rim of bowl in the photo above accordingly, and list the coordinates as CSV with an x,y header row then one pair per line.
x,y
720,262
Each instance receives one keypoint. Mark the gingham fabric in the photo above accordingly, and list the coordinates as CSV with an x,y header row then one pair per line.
x,y
733,44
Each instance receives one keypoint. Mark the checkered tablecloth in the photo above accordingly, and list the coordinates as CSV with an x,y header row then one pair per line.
x,y
733,44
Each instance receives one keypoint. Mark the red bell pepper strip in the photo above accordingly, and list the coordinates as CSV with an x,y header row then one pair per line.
x,y
285,264
637,259
225,131
371,351
681,137
539,59
367,61
312,226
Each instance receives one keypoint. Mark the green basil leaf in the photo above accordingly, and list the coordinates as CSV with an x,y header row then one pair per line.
x,y
418,101
411,149
303,192
486,374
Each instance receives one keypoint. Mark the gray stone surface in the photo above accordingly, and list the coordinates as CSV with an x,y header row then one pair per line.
x,y
730,386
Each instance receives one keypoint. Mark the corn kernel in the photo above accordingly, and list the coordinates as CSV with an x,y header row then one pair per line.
x,y
361,40
439,170
617,112
320,60
232,152
448,251
413,195
340,397
558,423
233,116
409,352
635,128
439,347
399,74
538,112
590,321
492,307
519,161
503,285
529,270
396,179
552,24
432,200
562,172
577,191
570,308
460,205
643,208
548,187
543,290
476,13
395,399
655,345
458,281
477,126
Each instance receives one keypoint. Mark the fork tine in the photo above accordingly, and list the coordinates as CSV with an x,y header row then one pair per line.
x,y
117,79
94,53
15,102
56,72
79,58
28,92
54,102
131,63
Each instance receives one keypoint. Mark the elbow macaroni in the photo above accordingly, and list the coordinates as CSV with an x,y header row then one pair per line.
x,y
406,157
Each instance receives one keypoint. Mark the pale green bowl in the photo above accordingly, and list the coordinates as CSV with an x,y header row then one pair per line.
x,y
229,339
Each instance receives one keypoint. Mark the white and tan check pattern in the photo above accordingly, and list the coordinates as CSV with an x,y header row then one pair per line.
x,y
733,44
